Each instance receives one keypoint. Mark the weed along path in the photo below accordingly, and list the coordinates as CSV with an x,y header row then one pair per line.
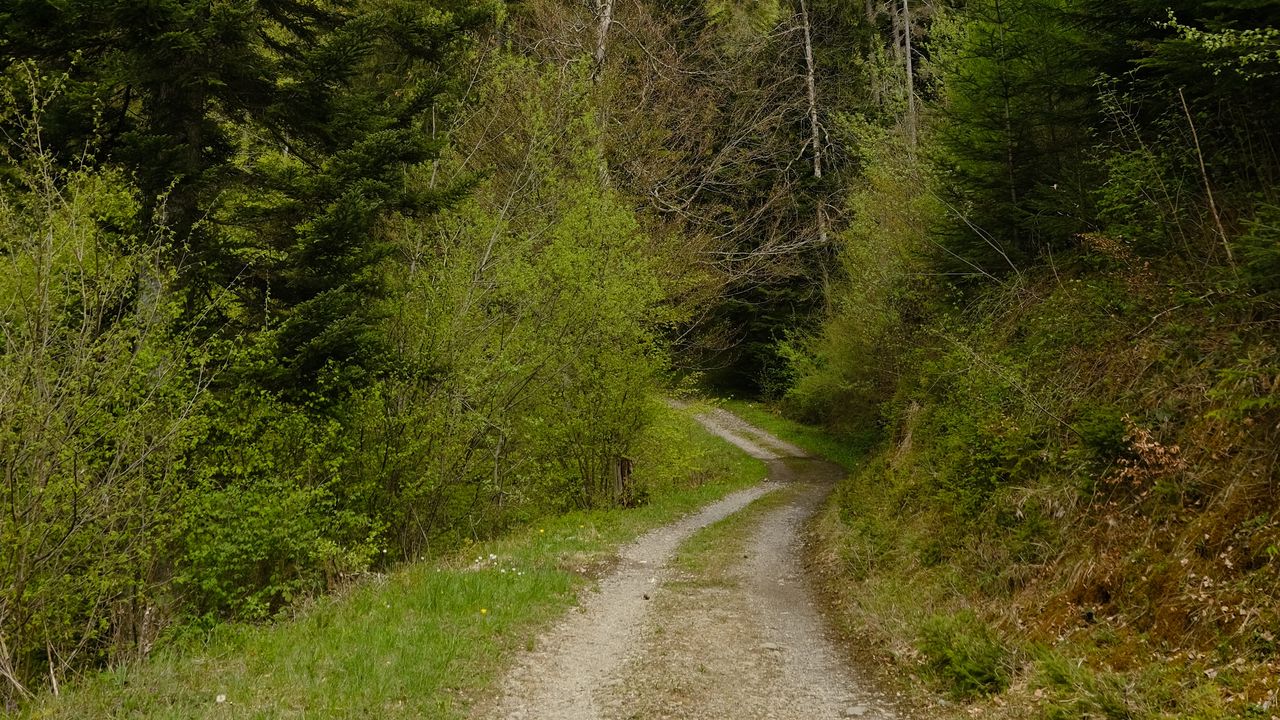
x,y
708,618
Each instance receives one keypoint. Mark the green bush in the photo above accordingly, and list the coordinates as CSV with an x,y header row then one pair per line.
x,y
99,403
1102,431
965,654
842,372
267,521
982,452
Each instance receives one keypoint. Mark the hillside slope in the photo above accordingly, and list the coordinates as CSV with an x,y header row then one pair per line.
x,y
1075,507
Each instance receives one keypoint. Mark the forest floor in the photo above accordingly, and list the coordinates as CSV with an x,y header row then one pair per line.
x,y
713,616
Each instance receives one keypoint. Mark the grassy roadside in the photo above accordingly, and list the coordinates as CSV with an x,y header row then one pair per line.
x,y
424,640
845,453
880,610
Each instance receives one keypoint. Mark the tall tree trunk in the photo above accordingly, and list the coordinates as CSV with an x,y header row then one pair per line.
x,y
815,133
872,55
911,75
895,18
1006,92
812,87
604,17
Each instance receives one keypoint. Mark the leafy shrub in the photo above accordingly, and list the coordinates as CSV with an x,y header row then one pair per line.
x,y
983,453
99,402
965,653
1102,431
267,522
1142,201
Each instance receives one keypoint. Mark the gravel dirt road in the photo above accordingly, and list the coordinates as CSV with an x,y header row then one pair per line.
x,y
740,640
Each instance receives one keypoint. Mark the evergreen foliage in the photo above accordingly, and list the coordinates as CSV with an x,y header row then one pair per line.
x,y
278,133
1016,115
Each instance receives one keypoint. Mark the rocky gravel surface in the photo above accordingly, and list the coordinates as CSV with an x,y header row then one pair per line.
x,y
744,641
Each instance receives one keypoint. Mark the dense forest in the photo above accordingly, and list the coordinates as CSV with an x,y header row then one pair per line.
x,y
296,290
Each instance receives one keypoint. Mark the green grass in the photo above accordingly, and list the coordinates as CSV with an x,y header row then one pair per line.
x,y
425,640
846,453
717,547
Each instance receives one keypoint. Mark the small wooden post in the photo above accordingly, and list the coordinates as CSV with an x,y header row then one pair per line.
x,y
623,489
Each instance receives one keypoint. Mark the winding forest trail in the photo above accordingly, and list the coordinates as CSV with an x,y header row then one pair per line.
x,y
740,637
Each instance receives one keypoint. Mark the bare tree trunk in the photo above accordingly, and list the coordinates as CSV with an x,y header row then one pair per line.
x,y
911,75
604,15
812,87
896,19
815,133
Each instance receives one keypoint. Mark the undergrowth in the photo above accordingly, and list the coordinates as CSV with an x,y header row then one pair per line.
x,y
1074,512
426,640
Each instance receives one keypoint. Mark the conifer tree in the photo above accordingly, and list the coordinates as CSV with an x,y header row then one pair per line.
x,y
270,138
1017,105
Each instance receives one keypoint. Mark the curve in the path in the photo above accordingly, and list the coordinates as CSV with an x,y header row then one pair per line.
x,y
751,644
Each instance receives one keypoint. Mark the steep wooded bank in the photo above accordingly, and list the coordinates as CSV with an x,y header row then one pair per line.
x,y
1056,301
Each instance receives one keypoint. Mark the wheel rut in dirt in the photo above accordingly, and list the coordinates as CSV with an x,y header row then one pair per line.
x,y
740,639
